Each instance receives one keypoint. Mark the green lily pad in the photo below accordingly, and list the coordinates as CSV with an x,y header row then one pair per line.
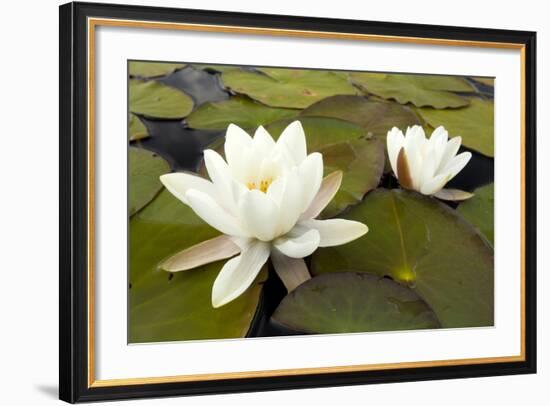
x,y
377,118
420,90
241,111
152,69
154,99
362,162
144,169
174,307
136,129
421,243
485,81
475,124
353,303
293,88
480,209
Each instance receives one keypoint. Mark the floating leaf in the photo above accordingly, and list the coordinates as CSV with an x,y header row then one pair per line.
x,y
154,99
424,244
475,124
144,169
293,88
479,211
420,90
352,303
241,111
485,81
362,162
152,69
136,129
174,307
375,117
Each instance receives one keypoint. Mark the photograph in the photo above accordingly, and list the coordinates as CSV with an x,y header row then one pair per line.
x,y
270,201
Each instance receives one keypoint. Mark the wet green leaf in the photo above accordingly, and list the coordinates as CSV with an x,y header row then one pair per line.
x,y
420,90
474,123
154,99
424,244
350,302
241,111
144,169
174,307
485,81
152,69
293,88
375,117
136,129
479,211
362,162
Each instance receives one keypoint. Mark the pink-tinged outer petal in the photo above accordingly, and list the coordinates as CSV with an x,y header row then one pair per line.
x,y
292,271
329,187
454,195
336,231
239,273
215,249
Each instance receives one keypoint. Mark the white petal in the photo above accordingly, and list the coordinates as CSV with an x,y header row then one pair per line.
x,y
262,143
179,183
300,246
438,143
453,195
212,213
239,273
336,231
311,175
414,147
289,200
457,164
259,214
329,186
294,140
219,172
434,185
292,271
394,141
451,149
236,139
208,251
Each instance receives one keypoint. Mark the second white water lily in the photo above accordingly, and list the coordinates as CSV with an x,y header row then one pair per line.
x,y
264,198
426,165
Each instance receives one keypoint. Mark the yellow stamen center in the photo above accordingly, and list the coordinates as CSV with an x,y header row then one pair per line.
x,y
262,186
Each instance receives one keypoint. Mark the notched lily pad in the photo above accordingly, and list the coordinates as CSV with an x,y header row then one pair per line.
x,y
420,90
375,117
144,169
474,123
174,307
421,243
292,88
480,211
351,303
136,128
362,162
241,111
154,99
152,69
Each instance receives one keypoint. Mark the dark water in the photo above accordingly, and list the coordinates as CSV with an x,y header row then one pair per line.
x,y
182,147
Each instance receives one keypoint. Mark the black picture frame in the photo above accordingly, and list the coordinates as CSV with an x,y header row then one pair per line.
x,y
74,385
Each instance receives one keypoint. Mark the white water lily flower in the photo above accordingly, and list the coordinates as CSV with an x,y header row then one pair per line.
x,y
426,165
264,198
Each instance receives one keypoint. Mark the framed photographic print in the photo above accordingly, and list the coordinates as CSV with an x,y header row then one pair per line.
x,y
256,202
